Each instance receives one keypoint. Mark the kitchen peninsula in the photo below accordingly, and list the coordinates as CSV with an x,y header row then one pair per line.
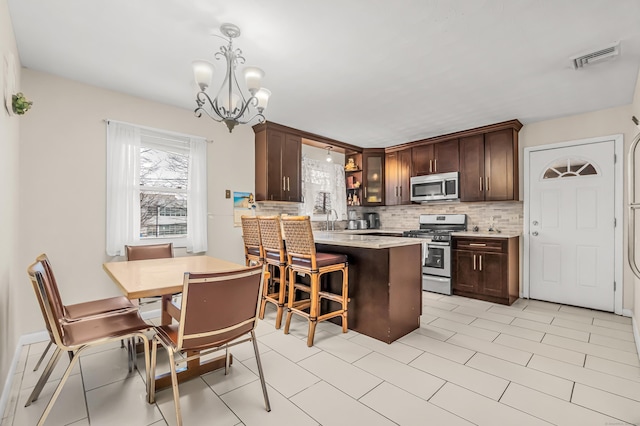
x,y
385,282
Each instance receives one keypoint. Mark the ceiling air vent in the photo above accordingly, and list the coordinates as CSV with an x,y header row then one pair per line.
x,y
582,61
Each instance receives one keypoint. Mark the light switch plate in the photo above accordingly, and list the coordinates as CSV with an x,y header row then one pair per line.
x,y
227,193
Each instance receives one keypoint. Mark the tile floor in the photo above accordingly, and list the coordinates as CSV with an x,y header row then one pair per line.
x,y
470,362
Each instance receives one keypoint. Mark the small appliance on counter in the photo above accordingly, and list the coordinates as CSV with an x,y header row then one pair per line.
x,y
353,219
362,224
373,219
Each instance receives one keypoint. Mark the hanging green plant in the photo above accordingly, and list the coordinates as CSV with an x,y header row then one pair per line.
x,y
20,104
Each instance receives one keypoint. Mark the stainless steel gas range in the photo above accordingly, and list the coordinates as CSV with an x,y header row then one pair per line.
x,y
436,254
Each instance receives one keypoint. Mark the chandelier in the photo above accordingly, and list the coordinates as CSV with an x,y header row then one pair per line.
x,y
230,105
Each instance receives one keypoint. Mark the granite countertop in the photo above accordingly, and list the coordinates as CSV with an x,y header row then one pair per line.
x,y
486,234
342,238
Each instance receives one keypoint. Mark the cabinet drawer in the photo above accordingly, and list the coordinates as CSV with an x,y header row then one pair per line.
x,y
480,244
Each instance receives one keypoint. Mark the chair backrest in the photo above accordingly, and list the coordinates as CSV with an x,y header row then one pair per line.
x,y
271,235
218,307
299,237
48,270
48,299
251,233
153,251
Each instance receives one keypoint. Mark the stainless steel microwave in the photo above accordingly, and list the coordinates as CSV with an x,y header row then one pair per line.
x,y
436,187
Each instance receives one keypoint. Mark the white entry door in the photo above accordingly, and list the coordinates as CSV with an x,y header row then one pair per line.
x,y
571,225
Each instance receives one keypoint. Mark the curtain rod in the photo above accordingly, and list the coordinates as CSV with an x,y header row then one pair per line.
x,y
153,129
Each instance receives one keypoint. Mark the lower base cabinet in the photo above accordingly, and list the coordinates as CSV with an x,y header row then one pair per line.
x,y
486,268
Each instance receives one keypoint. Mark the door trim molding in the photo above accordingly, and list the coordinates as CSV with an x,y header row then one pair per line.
x,y
618,141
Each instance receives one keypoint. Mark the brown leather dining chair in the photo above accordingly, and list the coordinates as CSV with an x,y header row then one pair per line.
x,y
275,256
146,252
81,311
76,336
217,310
303,259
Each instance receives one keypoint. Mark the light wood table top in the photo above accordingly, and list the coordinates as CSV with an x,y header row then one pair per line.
x,y
158,277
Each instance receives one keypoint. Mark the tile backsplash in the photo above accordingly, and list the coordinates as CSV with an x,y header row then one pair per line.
x,y
508,216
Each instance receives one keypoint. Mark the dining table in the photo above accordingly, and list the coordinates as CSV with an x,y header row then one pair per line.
x,y
165,277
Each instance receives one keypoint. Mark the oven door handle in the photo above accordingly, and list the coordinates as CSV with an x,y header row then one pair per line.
x,y
438,243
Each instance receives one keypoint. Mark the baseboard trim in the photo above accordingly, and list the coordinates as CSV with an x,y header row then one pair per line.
x,y
25,339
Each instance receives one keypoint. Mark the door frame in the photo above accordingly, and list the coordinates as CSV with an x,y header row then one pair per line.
x,y
618,211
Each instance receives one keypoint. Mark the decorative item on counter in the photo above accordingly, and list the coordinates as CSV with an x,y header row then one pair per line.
x,y
20,104
351,165
356,185
355,200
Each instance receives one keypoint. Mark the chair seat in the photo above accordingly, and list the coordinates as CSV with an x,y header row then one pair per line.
x,y
322,259
254,251
273,256
98,307
80,332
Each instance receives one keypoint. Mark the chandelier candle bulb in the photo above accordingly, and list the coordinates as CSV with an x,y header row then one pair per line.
x,y
202,73
253,77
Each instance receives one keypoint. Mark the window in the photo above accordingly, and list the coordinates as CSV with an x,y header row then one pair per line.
x,y
324,190
569,167
156,188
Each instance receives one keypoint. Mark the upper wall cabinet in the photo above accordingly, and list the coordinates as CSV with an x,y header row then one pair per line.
x,y
441,157
373,177
397,176
278,157
489,166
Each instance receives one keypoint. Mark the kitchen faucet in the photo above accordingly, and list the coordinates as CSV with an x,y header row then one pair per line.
x,y
330,214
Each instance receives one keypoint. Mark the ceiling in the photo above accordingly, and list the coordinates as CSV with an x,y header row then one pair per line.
x,y
371,73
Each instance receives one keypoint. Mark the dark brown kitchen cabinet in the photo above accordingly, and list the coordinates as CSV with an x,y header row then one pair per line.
x,y
441,157
373,177
278,157
397,176
489,166
486,268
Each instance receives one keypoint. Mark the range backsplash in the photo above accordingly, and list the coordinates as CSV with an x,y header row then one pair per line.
x,y
508,216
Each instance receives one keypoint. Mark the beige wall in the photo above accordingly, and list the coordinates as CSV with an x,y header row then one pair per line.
x,y
9,138
599,123
62,182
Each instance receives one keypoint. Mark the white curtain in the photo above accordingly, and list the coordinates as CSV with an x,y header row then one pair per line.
x,y
123,186
197,196
323,187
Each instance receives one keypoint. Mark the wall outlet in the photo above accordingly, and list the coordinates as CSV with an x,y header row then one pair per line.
x,y
514,218
227,193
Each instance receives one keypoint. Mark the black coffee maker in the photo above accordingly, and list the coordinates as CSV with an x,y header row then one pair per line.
x,y
373,219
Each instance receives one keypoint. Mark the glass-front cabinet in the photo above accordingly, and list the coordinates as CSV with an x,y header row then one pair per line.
x,y
373,177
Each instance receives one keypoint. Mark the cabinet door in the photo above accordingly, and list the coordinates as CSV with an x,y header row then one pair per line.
x,y
465,274
472,168
391,168
493,267
422,160
499,166
275,182
446,157
373,176
291,165
404,176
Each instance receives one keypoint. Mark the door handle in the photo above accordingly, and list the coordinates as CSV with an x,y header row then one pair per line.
x,y
400,191
284,183
487,184
365,192
288,187
481,183
396,188
480,261
534,233
474,262
435,165
430,166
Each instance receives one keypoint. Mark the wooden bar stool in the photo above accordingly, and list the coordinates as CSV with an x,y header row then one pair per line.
x,y
303,259
274,257
253,253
